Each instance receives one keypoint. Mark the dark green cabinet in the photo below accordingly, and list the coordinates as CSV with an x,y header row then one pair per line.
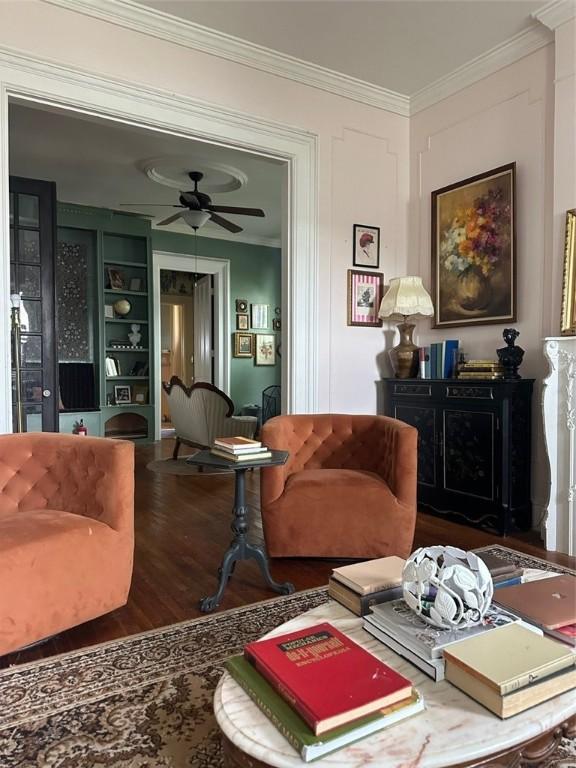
x,y
473,447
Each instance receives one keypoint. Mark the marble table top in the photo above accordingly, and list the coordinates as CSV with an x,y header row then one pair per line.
x,y
452,729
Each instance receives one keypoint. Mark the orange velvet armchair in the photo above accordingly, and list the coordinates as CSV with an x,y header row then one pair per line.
x,y
66,532
347,490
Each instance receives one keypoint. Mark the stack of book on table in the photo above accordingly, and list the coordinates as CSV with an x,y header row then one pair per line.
x,y
239,449
407,634
360,586
511,670
480,369
549,604
321,689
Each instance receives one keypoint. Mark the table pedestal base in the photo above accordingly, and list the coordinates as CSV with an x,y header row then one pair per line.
x,y
240,549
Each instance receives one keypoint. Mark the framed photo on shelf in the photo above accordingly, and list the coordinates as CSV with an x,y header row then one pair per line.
x,y
568,321
115,278
243,345
140,394
122,394
135,283
265,349
259,316
109,311
241,305
242,321
366,246
474,250
365,290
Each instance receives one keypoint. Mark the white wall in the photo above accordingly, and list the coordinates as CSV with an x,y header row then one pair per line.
x,y
362,173
504,118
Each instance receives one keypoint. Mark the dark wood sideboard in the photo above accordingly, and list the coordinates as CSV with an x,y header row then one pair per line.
x,y
473,448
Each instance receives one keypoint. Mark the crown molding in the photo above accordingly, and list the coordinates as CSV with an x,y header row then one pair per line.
x,y
267,242
488,63
555,13
139,18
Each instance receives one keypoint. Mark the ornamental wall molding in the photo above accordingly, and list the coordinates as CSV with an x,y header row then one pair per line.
x,y
555,13
148,21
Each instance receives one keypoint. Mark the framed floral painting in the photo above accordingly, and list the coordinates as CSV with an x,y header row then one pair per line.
x,y
474,250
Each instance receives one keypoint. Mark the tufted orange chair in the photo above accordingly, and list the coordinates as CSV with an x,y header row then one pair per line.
x,y
347,490
66,532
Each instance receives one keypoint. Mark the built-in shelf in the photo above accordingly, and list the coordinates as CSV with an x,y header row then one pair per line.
x,y
118,292
125,264
124,378
123,320
126,349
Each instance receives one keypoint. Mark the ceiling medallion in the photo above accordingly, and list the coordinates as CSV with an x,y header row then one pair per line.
x,y
172,171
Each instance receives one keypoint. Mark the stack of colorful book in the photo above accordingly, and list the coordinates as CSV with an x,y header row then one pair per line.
x,y
360,586
510,670
439,360
480,369
404,632
549,604
321,689
239,449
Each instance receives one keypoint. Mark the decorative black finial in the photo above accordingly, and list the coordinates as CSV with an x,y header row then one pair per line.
x,y
510,356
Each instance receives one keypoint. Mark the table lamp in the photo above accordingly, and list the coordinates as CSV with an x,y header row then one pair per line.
x,y
406,296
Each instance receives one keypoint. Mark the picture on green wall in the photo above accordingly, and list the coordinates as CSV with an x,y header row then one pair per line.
x,y
243,345
265,349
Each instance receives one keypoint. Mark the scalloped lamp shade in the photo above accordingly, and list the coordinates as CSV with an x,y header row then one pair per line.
x,y
406,296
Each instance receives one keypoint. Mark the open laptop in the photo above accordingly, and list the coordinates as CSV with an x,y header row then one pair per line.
x,y
550,603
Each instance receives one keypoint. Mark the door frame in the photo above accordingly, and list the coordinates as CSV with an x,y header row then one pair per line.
x,y
27,78
220,270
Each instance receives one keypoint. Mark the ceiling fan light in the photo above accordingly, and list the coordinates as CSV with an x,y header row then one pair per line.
x,y
195,219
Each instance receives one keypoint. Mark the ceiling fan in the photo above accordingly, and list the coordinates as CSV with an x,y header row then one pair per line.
x,y
198,209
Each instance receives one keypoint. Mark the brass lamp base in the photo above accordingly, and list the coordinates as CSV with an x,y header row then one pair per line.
x,y
404,356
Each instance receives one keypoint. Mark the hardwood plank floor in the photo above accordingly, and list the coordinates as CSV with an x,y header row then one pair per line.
x,y
182,528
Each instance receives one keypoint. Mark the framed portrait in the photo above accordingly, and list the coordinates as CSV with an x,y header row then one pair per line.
x,y
568,319
365,290
259,314
243,345
115,279
276,324
241,305
140,394
366,246
265,349
474,250
122,394
242,323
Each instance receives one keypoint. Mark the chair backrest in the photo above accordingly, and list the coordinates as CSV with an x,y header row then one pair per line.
x,y
197,412
271,402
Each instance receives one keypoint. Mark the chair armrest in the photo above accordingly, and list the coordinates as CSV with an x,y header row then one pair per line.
x,y
273,479
89,476
239,426
398,465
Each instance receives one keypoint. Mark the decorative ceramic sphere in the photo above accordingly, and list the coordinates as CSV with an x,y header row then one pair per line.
x,y
122,307
447,587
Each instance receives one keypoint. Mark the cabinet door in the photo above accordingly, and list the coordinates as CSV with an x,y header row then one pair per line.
x,y
468,449
424,419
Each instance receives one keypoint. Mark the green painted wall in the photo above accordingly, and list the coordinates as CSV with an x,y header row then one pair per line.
x,y
255,275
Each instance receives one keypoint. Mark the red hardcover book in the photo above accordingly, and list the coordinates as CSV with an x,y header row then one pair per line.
x,y
327,677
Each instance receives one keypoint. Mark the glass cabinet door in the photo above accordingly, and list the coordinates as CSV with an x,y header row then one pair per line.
x,y
32,237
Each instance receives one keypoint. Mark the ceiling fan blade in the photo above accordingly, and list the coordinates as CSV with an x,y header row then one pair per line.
x,y
235,209
170,219
225,223
153,205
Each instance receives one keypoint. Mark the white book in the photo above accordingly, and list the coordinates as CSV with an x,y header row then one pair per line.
x,y
434,668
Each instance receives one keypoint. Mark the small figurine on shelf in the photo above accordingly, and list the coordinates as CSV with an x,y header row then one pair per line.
x,y
135,336
80,428
510,356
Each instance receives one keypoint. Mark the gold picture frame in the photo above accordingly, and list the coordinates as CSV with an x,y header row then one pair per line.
x,y
568,317
243,345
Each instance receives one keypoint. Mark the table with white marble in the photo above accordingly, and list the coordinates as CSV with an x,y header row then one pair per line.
x,y
453,729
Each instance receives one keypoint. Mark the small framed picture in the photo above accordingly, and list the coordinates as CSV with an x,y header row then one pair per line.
x,y
259,316
122,394
365,291
109,311
115,278
241,305
243,345
135,283
242,321
140,394
265,349
276,324
366,246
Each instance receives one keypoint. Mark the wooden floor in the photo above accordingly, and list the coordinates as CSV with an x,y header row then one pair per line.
x,y
183,527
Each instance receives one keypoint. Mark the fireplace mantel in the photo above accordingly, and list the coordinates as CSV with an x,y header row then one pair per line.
x,y
559,412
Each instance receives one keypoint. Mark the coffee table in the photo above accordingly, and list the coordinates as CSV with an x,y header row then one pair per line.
x,y
240,548
454,730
